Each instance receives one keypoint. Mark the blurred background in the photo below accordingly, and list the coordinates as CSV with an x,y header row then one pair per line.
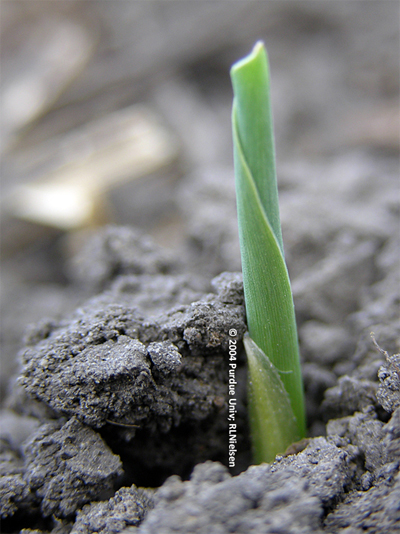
x,y
119,112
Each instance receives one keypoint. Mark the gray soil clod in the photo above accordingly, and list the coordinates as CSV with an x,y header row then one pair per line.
x,y
127,508
115,364
67,466
158,376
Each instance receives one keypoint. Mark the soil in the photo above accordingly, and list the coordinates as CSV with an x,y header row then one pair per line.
x,y
115,339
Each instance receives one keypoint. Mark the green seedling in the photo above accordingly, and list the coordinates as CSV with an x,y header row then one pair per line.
x,y
276,401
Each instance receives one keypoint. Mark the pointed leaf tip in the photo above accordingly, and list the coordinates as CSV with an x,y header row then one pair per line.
x,y
258,49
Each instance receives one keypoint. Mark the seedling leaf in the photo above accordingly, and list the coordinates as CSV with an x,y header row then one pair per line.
x,y
268,297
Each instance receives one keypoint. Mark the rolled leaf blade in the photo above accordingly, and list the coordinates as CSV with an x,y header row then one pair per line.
x,y
268,297
253,116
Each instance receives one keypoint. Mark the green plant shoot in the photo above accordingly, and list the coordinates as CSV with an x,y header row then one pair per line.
x,y
276,400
